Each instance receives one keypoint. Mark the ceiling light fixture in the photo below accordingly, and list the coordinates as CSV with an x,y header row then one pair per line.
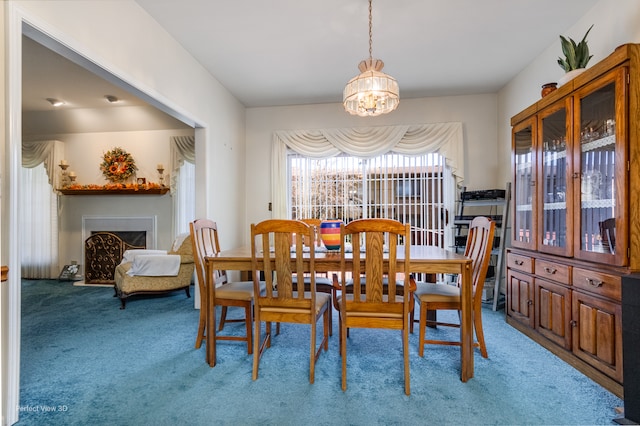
x,y
372,92
112,99
55,102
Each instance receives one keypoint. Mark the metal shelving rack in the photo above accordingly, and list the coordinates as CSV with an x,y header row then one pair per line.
x,y
476,203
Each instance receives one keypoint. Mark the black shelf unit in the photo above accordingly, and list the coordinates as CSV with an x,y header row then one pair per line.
x,y
492,203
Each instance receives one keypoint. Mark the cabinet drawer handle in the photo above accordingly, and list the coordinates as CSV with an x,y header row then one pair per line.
x,y
594,283
549,270
519,262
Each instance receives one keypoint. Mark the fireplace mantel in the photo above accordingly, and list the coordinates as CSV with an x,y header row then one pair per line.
x,y
151,191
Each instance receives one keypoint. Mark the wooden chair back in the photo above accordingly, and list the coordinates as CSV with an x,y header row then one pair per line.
x,y
376,236
204,238
374,269
272,241
608,234
315,224
478,248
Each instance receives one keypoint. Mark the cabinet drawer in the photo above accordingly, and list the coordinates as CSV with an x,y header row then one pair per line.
x,y
552,271
519,262
596,282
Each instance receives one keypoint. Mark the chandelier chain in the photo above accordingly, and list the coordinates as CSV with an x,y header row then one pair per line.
x,y
370,32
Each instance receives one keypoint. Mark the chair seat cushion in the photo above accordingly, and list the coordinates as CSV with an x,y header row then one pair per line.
x,y
429,292
240,290
321,300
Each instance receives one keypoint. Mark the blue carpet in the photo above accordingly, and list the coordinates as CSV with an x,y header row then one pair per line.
x,y
86,362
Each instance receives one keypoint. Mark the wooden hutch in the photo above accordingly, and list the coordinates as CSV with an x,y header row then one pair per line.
x,y
576,215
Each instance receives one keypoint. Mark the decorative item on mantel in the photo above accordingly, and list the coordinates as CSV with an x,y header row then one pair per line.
x,y
64,174
160,169
576,57
118,165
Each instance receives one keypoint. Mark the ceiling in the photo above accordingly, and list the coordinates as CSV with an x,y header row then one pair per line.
x,y
289,52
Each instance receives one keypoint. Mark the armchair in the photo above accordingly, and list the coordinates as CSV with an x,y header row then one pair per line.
x,y
136,275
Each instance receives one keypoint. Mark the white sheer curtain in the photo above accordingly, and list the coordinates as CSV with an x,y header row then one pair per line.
x,y
443,138
183,182
38,207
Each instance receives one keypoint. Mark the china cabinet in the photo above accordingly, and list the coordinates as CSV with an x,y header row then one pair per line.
x,y
575,156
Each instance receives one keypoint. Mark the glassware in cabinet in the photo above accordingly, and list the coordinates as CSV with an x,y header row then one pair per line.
x,y
554,188
601,168
524,195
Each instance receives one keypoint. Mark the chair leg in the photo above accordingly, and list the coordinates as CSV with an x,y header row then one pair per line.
x,y
201,329
343,354
477,324
405,353
422,327
223,318
256,347
312,355
412,318
248,324
327,327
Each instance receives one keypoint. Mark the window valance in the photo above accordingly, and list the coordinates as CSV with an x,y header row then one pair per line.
x,y
48,152
445,139
182,148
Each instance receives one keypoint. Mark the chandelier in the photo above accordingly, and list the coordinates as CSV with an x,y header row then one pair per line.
x,y
371,92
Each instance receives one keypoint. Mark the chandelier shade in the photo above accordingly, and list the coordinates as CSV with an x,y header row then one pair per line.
x,y
371,92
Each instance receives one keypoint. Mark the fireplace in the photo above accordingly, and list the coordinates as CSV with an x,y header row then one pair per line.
x,y
107,238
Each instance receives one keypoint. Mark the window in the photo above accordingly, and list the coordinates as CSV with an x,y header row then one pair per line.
x,y
412,190
184,205
38,225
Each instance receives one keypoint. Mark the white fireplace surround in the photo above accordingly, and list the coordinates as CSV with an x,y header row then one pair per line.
x,y
120,224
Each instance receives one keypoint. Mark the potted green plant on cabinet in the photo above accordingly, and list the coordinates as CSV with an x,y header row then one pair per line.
x,y
576,57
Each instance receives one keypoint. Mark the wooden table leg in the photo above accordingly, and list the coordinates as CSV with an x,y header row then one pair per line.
x,y
210,327
466,326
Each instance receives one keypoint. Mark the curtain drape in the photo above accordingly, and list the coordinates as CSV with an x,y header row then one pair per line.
x,y
182,148
49,152
39,178
182,181
366,142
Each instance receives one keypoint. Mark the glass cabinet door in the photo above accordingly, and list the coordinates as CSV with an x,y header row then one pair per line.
x,y
524,195
601,171
555,216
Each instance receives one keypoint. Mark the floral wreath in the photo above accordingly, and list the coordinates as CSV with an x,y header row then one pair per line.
x,y
118,165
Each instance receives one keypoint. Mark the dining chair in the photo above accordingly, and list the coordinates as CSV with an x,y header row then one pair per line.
x,y
204,236
273,254
608,234
367,304
441,296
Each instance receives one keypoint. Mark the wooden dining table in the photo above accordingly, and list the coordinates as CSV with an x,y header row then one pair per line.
x,y
424,259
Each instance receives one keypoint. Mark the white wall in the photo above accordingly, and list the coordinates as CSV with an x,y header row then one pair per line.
x,y
615,22
123,39
477,114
